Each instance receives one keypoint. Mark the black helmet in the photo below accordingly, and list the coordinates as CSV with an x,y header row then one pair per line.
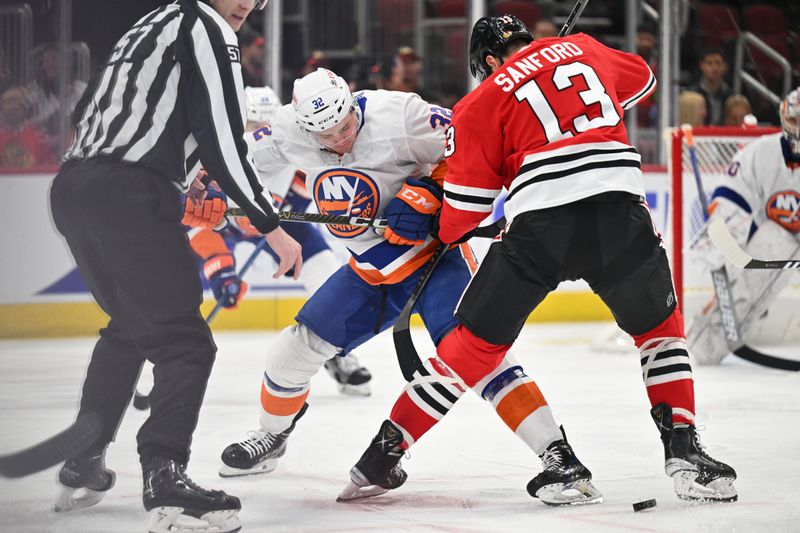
x,y
492,35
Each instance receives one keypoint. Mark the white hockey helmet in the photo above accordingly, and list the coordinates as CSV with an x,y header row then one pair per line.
x,y
321,100
260,103
258,5
790,119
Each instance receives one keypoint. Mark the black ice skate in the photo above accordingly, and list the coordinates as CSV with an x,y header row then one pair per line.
x,y
84,481
698,477
379,470
259,453
351,378
178,504
564,480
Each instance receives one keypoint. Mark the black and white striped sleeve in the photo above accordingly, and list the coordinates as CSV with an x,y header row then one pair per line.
x,y
216,115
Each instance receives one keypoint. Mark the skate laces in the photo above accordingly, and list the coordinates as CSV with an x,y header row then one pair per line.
x,y
552,458
257,442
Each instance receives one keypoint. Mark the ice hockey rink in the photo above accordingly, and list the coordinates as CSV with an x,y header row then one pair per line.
x,y
468,475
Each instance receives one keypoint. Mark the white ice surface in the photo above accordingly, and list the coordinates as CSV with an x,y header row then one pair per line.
x,y
467,475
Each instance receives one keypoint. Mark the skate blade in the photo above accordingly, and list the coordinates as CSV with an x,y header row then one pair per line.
x,y
73,499
355,390
718,490
264,467
580,492
357,492
172,520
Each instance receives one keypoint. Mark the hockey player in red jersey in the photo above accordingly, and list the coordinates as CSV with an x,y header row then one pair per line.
x,y
546,124
378,154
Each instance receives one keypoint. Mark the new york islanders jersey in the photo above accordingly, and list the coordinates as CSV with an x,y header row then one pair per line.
x,y
400,136
763,184
547,126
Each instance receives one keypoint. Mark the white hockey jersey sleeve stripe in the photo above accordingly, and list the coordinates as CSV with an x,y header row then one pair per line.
x,y
648,88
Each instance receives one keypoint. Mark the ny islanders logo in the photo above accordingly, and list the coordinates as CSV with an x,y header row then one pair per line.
x,y
784,208
344,191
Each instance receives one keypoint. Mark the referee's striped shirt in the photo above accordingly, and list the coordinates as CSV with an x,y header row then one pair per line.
x,y
170,97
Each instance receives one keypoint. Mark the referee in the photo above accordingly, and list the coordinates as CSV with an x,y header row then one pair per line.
x,y
168,99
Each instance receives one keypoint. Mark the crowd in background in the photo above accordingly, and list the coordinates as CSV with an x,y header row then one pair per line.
x,y
33,117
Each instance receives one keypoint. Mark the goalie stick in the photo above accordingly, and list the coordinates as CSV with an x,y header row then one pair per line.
x,y
74,440
725,243
407,355
722,286
141,401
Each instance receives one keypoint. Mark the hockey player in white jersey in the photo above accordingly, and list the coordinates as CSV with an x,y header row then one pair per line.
x,y
379,154
289,193
760,204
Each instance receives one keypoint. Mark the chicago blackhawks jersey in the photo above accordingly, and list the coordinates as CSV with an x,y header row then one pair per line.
x,y
547,126
764,183
400,135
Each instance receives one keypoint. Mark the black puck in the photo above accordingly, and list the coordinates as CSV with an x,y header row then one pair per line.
x,y
641,506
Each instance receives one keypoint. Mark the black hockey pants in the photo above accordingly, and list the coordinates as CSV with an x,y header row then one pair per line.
x,y
607,240
122,224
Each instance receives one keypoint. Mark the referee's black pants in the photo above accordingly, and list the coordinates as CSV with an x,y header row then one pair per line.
x,y
122,224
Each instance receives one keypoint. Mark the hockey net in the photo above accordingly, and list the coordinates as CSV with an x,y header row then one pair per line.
x,y
715,148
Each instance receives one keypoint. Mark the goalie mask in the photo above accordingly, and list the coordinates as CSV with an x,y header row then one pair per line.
x,y
492,36
260,103
790,121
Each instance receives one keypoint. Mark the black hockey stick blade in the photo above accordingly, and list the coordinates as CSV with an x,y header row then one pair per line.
x,y
754,356
72,441
407,355
726,244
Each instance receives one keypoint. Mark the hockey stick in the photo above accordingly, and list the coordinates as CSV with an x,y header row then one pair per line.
x,y
734,253
141,401
577,9
407,355
722,290
317,218
482,232
71,442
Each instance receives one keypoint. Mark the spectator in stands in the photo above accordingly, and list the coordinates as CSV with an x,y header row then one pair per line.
x,y
251,46
6,77
316,60
44,93
712,85
737,107
544,28
406,74
692,108
646,41
22,145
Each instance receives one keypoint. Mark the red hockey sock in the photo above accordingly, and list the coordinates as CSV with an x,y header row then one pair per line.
x,y
420,407
666,369
469,356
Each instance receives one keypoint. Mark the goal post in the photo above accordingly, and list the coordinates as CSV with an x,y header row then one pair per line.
x,y
715,148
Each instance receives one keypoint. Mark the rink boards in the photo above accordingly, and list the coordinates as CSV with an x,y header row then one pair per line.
x,y
42,294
